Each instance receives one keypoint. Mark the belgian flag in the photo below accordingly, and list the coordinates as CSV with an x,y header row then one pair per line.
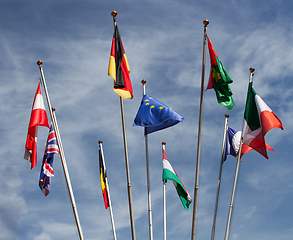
x,y
103,176
119,68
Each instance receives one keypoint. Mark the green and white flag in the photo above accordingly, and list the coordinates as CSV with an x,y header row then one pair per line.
x,y
170,174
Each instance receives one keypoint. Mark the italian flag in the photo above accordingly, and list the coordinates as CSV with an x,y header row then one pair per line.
x,y
170,174
258,120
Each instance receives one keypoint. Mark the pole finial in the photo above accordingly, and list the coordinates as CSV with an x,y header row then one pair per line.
x,y
206,22
39,62
113,13
143,82
252,69
163,143
226,115
53,109
100,141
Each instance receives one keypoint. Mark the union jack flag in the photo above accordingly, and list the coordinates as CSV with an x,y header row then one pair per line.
x,y
47,166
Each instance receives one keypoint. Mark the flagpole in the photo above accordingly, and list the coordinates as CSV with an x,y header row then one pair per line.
x,y
127,171
114,14
219,179
236,175
62,156
148,176
164,203
205,22
108,194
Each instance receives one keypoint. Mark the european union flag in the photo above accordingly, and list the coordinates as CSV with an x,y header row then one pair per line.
x,y
155,116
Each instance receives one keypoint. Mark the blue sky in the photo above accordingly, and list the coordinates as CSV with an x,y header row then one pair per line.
x,y
163,44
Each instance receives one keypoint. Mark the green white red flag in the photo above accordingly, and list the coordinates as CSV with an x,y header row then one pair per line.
x,y
170,174
258,120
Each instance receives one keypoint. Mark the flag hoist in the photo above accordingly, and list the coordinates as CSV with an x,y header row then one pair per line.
x,y
119,70
62,156
258,120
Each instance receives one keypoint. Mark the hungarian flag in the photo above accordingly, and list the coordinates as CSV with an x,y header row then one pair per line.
x,y
219,80
47,167
38,118
119,68
154,115
103,177
258,120
170,174
233,142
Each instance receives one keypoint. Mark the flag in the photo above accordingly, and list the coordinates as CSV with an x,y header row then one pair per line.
x,y
38,118
119,68
219,80
47,167
170,174
258,120
154,115
233,142
103,177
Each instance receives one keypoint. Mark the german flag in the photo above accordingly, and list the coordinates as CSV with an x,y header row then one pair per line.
x,y
119,68
103,176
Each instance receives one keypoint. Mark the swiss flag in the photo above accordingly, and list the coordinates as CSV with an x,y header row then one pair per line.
x,y
38,118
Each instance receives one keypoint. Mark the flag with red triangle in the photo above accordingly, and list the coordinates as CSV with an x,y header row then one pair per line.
x,y
219,80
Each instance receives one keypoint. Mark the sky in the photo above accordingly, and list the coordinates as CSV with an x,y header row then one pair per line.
x,y
163,41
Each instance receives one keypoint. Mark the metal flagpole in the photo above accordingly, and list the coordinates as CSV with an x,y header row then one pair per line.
x,y
205,22
62,156
108,193
164,203
114,14
236,174
127,171
219,179
148,176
